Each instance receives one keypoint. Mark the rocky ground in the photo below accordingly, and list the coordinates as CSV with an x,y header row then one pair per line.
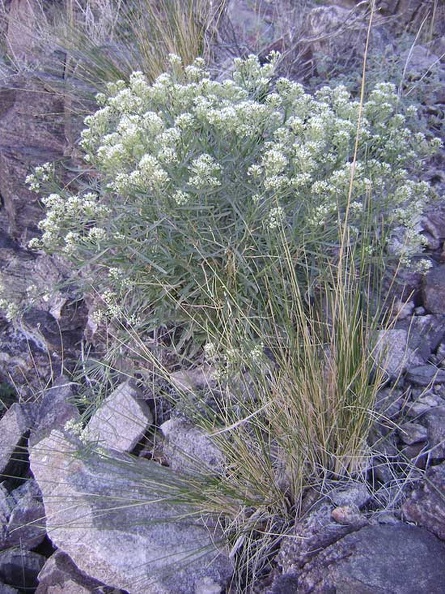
x,y
63,529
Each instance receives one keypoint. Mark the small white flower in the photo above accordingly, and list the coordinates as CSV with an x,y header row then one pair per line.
x,y
209,350
205,170
184,121
257,353
181,198
74,426
97,234
274,162
275,217
255,170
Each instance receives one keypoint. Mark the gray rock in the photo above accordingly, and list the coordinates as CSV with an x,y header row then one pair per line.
x,y
418,60
351,494
394,353
20,568
434,421
434,222
400,559
60,575
424,375
55,410
194,379
120,520
24,522
389,402
383,441
32,125
328,30
21,42
425,333
5,507
433,290
188,449
284,584
423,403
13,426
121,420
254,24
411,433
426,505
314,532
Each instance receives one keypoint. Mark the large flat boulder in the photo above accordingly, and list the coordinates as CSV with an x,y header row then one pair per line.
x,y
121,521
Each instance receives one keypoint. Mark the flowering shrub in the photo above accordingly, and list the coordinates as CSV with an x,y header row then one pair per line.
x,y
199,178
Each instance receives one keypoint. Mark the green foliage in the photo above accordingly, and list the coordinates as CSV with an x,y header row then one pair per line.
x,y
198,178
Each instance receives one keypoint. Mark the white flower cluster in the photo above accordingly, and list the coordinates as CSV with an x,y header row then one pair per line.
x,y
276,217
41,175
10,308
205,171
68,222
189,165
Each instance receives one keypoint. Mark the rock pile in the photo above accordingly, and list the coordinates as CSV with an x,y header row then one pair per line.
x,y
87,514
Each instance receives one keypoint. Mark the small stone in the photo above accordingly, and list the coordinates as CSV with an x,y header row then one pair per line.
x,y
25,525
403,309
389,402
383,442
348,515
434,421
411,433
423,404
188,449
434,220
417,453
55,410
418,60
193,380
394,353
424,375
387,518
355,494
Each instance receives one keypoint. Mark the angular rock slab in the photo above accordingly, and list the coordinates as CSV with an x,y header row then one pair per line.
x,y
21,517
400,559
426,505
187,448
20,569
59,575
13,426
109,514
433,290
121,420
